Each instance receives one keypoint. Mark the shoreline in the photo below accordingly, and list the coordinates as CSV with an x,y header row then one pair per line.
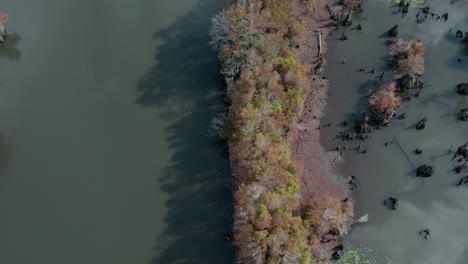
x,y
318,180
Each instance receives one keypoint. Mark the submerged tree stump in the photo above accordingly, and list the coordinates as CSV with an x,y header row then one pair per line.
x,y
464,114
421,124
393,32
2,33
463,181
462,88
424,171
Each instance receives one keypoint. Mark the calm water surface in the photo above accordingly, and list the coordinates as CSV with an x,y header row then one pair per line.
x,y
104,108
432,203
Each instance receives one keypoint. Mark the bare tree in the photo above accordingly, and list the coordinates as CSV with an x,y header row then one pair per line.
x,y
219,30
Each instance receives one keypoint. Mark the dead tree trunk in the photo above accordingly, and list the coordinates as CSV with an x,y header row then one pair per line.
x,y
319,34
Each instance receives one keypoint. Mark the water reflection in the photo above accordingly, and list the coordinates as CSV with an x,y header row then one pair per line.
x,y
185,83
8,49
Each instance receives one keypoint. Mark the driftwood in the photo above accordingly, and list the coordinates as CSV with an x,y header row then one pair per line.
x,y
319,34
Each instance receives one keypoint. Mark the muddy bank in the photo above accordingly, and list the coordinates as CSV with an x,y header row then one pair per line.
x,y
318,184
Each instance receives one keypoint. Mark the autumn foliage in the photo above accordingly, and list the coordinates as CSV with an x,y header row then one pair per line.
x,y
385,99
3,17
267,78
407,58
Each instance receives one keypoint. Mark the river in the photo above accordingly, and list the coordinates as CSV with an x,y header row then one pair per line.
x,y
435,202
104,110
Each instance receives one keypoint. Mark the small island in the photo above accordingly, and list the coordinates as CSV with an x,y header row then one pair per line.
x,y
287,207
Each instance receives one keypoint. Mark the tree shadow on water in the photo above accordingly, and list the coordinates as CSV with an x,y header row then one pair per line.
x,y
185,84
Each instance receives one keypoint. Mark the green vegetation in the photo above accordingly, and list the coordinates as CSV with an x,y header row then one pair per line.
x,y
288,64
277,108
360,255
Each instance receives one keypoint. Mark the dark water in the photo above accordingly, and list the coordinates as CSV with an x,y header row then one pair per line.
x,y
104,109
433,203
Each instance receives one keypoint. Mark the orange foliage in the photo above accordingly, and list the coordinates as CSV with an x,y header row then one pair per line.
x,y
4,17
385,98
408,58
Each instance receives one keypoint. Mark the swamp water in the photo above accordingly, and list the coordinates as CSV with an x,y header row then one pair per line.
x,y
434,202
104,109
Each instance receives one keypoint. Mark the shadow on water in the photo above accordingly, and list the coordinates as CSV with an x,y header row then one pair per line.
x,y
4,155
8,49
185,84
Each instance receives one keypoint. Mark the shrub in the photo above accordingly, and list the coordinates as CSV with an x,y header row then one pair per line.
x,y
219,30
385,98
288,64
277,107
263,218
407,58
360,255
4,17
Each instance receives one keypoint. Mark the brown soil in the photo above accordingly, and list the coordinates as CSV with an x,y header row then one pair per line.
x,y
317,180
